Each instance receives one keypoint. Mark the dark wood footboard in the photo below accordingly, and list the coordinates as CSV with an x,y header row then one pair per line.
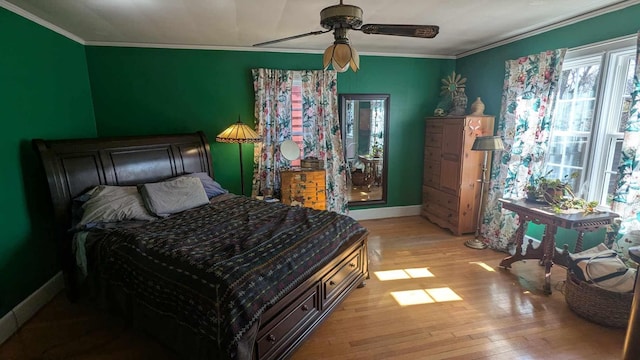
x,y
286,324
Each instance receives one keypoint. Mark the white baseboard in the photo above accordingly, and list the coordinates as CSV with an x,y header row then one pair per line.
x,y
14,319
385,212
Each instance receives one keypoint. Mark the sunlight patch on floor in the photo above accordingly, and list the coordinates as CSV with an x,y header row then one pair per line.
x,y
424,296
413,273
483,265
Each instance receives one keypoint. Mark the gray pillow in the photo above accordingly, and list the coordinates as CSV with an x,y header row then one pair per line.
x,y
113,203
172,196
211,187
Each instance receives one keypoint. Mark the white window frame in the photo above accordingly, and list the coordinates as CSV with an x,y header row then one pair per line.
x,y
600,152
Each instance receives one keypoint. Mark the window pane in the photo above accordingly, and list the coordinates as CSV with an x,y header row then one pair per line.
x,y
611,176
579,82
573,122
296,116
626,98
574,115
568,150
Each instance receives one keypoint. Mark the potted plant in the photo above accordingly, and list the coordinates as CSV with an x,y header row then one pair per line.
x,y
540,188
558,193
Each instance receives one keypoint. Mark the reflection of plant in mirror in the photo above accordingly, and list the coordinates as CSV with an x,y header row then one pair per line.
x,y
376,149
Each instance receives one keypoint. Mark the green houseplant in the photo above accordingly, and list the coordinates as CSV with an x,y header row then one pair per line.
x,y
558,193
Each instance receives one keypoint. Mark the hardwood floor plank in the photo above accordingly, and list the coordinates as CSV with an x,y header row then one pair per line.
x,y
502,314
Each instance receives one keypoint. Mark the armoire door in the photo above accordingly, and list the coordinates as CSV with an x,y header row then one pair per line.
x,y
452,142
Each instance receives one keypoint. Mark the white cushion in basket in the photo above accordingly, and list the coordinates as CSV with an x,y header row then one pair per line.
x,y
602,267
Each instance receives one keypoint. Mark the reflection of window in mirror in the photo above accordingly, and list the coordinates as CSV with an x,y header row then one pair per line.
x,y
364,120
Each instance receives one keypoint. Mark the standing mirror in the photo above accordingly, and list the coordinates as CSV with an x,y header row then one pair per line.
x,y
365,123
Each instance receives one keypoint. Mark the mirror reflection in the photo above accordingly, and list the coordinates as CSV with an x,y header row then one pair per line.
x,y
364,119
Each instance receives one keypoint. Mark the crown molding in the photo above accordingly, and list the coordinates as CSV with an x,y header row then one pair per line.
x,y
251,49
619,6
40,21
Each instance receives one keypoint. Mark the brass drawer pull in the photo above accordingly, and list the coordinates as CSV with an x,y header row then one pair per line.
x,y
271,338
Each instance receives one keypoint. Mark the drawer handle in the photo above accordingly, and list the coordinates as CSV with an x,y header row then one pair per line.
x,y
271,338
352,265
331,282
304,307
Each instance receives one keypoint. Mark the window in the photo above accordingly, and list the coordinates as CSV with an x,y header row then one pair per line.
x,y
593,104
296,115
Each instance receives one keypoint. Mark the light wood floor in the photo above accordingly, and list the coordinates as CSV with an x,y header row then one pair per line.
x,y
501,314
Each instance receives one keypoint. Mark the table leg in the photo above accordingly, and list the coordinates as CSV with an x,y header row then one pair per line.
x,y
549,247
579,242
519,239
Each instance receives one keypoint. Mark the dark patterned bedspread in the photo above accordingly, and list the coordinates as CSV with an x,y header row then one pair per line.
x,y
216,268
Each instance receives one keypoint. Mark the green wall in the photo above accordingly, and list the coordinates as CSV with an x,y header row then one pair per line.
x,y
44,93
485,72
150,91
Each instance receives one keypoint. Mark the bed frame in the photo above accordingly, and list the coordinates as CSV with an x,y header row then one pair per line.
x,y
75,166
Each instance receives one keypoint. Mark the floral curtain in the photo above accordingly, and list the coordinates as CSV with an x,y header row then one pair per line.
x,y
530,87
626,200
322,135
321,129
272,112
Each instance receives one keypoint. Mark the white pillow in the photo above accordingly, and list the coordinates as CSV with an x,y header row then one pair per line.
x,y
113,203
172,196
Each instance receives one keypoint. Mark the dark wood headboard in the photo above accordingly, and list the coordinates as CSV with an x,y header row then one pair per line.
x,y
74,166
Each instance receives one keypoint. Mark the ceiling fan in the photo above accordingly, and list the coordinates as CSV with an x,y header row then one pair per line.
x,y
342,18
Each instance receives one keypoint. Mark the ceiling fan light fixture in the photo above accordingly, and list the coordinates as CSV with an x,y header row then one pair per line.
x,y
341,56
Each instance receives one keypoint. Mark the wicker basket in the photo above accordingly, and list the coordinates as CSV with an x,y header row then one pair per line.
x,y
596,304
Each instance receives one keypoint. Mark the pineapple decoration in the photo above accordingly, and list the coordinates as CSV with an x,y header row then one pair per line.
x,y
453,98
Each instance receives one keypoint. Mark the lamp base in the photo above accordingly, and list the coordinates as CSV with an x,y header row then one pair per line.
x,y
475,244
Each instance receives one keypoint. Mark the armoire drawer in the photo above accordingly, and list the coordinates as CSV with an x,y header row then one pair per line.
x,y
433,140
440,198
434,126
432,153
432,171
430,178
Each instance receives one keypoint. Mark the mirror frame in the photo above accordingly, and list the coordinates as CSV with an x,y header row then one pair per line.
x,y
343,98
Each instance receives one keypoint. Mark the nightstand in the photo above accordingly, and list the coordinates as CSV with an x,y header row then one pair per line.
x,y
303,187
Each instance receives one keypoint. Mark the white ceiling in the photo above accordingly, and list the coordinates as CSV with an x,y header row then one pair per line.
x,y
465,25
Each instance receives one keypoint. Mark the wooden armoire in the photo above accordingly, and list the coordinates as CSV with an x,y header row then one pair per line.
x,y
452,171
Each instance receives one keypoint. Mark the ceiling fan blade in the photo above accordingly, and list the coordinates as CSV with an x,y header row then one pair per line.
x,y
293,37
420,31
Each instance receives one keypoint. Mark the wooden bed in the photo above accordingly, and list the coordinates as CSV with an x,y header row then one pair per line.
x,y
74,166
